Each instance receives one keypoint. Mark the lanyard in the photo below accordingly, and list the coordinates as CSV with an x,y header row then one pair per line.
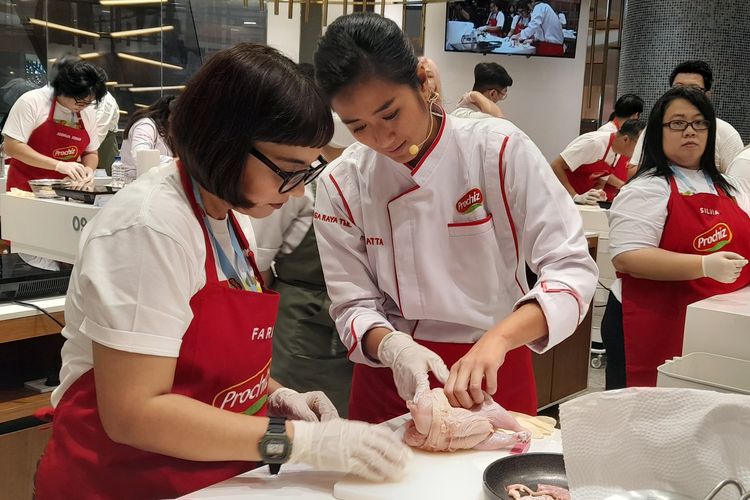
x,y
233,275
691,189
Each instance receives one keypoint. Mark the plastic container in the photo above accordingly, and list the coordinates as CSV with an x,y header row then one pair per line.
x,y
45,188
118,173
702,370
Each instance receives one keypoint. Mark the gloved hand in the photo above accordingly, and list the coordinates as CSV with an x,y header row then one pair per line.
x,y
590,197
313,406
410,363
73,169
724,267
373,452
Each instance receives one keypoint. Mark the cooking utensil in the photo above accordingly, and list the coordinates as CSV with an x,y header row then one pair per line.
x,y
85,194
45,188
529,469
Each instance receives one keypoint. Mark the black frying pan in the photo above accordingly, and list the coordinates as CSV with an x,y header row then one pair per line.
x,y
528,469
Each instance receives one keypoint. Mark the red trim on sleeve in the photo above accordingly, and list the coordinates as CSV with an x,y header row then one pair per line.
x,y
393,245
507,211
432,146
346,205
568,291
471,223
356,340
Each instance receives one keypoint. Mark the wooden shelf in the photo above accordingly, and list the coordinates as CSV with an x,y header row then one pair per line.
x,y
29,327
19,403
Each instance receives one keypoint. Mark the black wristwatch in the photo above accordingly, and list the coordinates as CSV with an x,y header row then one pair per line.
x,y
275,447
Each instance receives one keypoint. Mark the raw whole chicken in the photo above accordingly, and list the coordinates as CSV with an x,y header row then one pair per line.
x,y
543,492
437,426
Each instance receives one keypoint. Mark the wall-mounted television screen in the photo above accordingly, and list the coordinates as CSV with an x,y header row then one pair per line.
x,y
515,27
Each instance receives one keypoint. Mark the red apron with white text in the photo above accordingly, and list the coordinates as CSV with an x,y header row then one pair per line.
x,y
549,49
53,140
224,361
374,397
585,176
654,311
621,172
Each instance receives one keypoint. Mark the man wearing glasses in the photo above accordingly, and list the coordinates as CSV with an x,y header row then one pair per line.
x,y
491,82
698,75
51,132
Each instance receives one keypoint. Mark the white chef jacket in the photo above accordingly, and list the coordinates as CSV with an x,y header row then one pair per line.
x,y
283,230
140,261
440,250
740,166
588,148
728,146
544,25
107,116
32,109
469,111
142,135
608,127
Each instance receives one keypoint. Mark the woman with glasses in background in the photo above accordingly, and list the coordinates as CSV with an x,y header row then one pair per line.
x,y
50,132
678,233
165,384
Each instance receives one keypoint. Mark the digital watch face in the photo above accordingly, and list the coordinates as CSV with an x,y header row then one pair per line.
x,y
275,448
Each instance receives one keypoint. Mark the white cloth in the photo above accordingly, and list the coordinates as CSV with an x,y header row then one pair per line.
x,y
32,109
142,135
140,261
544,25
588,148
283,230
107,116
728,146
680,440
608,127
562,18
469,111
426,263
638,213
740,166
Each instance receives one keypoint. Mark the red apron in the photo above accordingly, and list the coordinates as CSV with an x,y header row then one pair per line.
x,y
654,311
519,28
549,49
492,21
374,397
585,176
53,140
621,172
224,361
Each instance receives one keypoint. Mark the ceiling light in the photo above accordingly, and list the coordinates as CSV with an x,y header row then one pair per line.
x,y
87,55
250,22
122,112
110,84
142,31
139,105
54,26
125,3
156,89
144,60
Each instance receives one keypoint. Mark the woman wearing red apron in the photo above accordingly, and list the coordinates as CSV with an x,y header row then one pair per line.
x,y
166,370
678,232
581,170
420,232
60,141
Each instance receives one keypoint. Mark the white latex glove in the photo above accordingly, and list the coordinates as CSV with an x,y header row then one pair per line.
x,y
410,363
373,452
312,406
74,170
724,267
590,197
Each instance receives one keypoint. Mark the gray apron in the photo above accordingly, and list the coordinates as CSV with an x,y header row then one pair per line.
x,y
107,152
307,352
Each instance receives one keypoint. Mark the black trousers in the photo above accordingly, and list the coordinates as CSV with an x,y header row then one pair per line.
x,y
614,342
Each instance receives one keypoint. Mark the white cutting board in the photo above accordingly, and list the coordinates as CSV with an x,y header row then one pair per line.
x,y
436,476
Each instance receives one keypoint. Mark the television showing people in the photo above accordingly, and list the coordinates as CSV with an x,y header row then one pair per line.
x,y
516,27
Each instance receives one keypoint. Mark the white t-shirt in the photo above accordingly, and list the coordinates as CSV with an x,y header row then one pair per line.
x,y
740,166
608,127
637,216
32,109
544,25
107,116
140,261
142,135
588,148
283,230
728,146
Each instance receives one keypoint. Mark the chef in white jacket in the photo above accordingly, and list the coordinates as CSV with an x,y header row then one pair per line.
x,y
425,227
740,166
545,30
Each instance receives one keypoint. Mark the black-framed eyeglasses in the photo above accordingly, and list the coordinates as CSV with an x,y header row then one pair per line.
x,y
290,180
83,102
681,125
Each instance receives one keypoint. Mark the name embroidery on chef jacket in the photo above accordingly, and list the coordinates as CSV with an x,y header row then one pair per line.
x,y
332,219
470,201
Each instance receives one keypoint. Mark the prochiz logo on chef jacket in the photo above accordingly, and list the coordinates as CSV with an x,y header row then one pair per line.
x,y
714,239
248,396
470,201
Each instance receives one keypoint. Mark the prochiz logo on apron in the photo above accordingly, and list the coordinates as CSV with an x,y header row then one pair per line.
x,y
248,396
714,239
67,153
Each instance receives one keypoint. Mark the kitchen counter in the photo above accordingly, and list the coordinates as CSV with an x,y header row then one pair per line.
x,y
429,475
719,325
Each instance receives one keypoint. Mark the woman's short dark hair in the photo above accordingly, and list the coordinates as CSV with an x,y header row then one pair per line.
x,y
158,112
653,159
80,79
627,105
360,46
242,95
